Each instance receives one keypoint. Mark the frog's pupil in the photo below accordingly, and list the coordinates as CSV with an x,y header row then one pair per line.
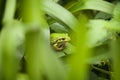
x,y
63,38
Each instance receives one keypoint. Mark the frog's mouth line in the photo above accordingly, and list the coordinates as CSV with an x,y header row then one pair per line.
x,y
61,45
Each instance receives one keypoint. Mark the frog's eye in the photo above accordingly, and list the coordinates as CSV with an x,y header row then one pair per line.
x,y
62,38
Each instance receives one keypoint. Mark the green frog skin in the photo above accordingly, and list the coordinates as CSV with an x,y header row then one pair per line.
x,y
59,40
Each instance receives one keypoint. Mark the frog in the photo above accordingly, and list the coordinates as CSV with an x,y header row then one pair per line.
x,y
59,40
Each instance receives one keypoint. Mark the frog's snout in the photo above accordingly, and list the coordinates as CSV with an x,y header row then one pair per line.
x,y
67,39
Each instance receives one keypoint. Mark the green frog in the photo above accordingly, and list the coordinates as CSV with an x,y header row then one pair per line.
x,y
59,40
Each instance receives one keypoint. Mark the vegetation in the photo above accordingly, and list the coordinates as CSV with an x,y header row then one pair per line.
x,y
59,39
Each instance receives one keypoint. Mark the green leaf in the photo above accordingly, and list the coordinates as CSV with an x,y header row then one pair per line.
x,y
61,14
102,15
58,28
116,13
37,45
9,10
100,52
115,52
97,28
10,39
80,53
69,49
113,25
99,5
22,76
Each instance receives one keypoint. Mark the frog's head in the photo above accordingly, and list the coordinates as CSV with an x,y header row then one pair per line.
x,y
58,40
59,37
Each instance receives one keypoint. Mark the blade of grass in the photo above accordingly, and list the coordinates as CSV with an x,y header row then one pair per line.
x,y
97,28
115,52
32,47
113,25
33,43
41,60
9,43
58,28
99,5
61,14
9,11
22,77
116,13
0,59
77,62
115,44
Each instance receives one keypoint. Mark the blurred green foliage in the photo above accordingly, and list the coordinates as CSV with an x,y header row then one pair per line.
x,y
92,53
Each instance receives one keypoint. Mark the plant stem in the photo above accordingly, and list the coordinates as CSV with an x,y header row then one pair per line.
x,y
9,11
